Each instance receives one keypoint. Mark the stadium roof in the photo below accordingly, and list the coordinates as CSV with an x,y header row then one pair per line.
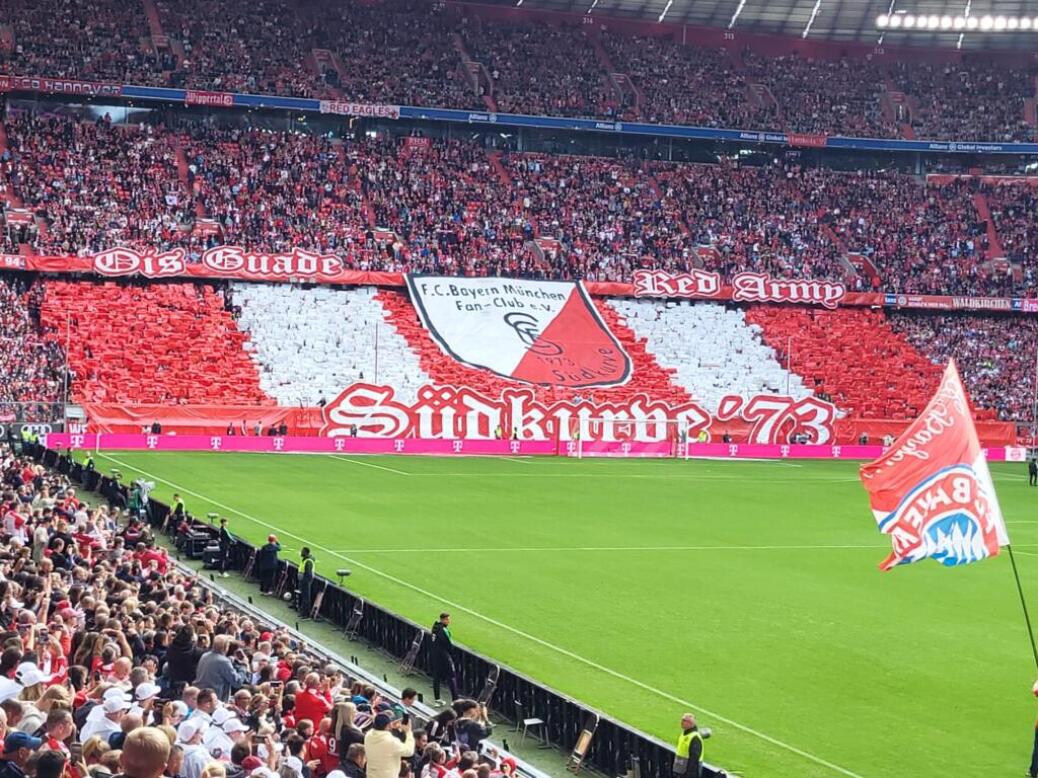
x,y
841,20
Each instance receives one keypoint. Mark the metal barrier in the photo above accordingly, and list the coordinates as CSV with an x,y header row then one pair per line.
x,y
614,749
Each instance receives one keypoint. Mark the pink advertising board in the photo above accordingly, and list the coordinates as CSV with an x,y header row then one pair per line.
x,y
474,447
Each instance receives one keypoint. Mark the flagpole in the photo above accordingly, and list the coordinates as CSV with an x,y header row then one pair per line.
x,y
1023,604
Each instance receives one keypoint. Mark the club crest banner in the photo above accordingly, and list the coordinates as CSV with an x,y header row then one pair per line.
x,y
535,332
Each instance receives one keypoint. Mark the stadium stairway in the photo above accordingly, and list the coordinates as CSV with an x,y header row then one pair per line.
x,y
710,350
980,202
853,355
310,344
160,343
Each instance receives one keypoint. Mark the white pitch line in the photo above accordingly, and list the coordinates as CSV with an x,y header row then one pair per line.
x,y
367,464
517,459
508,628
604,548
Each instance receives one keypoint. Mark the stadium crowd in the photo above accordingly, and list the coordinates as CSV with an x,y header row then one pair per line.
x,y
995,355
414,53
32,366
115,662
455,207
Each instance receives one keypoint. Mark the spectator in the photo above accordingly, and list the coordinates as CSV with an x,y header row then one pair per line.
x,y
216,671
18,747
383,750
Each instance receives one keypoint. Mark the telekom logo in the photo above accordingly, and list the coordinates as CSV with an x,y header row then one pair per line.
x,y
279,443
785,451
76,441
733,450
457,445
153,441
625,447
398,445
340,444
515,446
836,452
215,443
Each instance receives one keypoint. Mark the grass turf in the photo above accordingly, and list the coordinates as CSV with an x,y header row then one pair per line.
x,y
745,591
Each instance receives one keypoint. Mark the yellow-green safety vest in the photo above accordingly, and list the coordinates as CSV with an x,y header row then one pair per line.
x,y
685,743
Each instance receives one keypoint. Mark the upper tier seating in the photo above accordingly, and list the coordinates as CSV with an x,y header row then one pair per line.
x,y
410,52
310,344
452,207
95,186
711,348
853,356
151,343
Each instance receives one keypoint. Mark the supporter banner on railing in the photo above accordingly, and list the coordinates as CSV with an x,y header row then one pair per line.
x,y
61,86
744,287
360,109
234,262
536,332
367,410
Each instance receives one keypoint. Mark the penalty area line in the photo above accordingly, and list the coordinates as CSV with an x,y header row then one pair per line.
x,y
508,628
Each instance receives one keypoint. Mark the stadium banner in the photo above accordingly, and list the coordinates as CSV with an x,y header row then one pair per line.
x,y
61,86
344,445
300,265
210,99
537,332
744,287
932,492
359,109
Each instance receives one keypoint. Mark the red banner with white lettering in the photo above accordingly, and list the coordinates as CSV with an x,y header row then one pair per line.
x,y
234,262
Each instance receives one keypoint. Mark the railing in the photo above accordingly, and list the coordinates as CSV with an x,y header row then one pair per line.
x,y
614,748
220,100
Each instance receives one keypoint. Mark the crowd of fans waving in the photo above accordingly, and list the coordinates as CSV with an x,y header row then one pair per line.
x,y
112,661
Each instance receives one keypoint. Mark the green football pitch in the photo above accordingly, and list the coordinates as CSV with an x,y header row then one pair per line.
x,y
747,592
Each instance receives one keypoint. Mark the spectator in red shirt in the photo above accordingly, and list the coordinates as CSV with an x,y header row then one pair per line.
x,y
314,701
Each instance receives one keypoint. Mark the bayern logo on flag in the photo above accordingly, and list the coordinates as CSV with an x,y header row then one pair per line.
x,y
536,332
931,492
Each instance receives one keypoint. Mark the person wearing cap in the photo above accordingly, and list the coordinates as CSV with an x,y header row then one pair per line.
x,y
384,750
18,747
267,565
220,738
196,755
104,720
144,697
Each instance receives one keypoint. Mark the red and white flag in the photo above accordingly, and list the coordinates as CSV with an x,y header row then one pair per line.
x,y
535,332
931,492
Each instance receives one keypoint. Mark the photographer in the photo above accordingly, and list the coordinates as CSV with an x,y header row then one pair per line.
x,y
383,750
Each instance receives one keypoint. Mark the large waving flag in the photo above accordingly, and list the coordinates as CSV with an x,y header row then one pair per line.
x,y
932,491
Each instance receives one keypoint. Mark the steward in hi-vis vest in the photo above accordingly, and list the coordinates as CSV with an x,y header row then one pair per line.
x,y
689,754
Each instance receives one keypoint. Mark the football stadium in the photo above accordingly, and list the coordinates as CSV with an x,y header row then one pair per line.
x,y
435,389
